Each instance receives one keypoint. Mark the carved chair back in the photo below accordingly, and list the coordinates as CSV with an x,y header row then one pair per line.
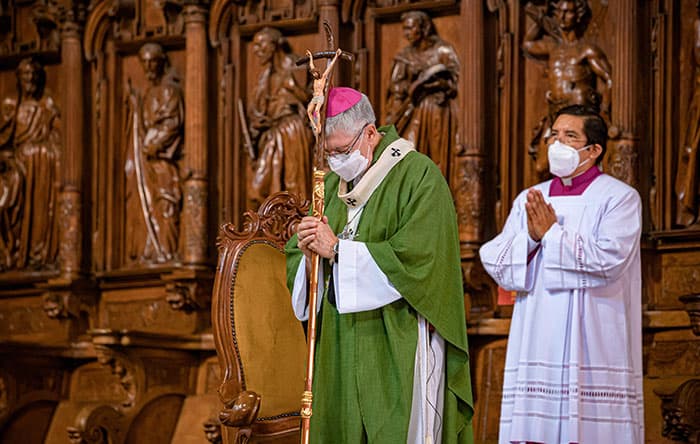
x,y
259,343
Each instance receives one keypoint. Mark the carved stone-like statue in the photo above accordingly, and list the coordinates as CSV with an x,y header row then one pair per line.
x,y
687,189
30,155
154,139
574,66
423,87
278,125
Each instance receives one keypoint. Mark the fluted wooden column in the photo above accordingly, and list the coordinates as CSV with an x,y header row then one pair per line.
x,y
194,223
467,178
622,157
69,206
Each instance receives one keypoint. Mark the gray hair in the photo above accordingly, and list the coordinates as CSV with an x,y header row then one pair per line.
x,y
351,120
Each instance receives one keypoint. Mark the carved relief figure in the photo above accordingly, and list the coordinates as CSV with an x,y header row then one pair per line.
x,y
30,152
278,126
687,190
154,139
575,67
423,87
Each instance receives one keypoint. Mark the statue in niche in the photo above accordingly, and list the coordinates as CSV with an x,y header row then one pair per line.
x,y
154,140
277,123
30,156
686,187
575,67
423,88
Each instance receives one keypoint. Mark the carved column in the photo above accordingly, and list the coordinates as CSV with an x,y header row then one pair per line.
x,y
69,202
622,156
194,220
467,173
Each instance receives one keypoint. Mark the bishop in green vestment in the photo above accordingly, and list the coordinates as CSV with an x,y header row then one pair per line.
x,y
391,362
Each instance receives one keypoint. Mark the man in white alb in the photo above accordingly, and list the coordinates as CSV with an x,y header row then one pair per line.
x,y
570,249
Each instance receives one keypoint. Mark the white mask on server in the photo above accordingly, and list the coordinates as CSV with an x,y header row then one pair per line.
x,y
564,159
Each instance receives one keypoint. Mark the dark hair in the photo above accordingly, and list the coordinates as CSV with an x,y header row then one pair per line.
x,y
594,127
583,13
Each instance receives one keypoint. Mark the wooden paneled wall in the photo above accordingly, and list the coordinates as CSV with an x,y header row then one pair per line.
x,y
131,129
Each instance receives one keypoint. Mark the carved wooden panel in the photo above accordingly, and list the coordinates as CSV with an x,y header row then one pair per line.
x,y
673,354
488,380
557,74
256,12
25,318
30,26
30,169
144,309
95,382
681,276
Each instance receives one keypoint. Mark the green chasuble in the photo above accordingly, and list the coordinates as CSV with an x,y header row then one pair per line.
x,y
364,363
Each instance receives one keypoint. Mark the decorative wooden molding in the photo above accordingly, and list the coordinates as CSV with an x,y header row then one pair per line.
x,y
172,13
681,412
271,221
692,306
251,12
123,369
97,425
61,305
188,289
103,14
46,21
195,187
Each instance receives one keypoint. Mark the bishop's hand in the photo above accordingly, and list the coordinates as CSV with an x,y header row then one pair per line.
x,y
316,236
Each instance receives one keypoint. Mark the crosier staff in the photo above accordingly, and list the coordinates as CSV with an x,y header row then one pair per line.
x,y
317,114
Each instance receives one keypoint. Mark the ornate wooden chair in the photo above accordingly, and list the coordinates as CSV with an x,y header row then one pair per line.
x,y
259,343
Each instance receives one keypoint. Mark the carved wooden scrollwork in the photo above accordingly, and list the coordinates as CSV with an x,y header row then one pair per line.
x,y
61,304
240,410
123,369
100,425
681,412
188,290
272,220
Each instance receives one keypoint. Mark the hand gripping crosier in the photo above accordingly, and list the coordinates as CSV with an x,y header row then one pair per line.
x,y
316,111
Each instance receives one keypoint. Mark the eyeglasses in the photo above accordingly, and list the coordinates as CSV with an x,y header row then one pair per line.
x,y
349,147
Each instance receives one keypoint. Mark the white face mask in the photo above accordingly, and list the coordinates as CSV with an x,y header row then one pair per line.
x,y
564,159
348,166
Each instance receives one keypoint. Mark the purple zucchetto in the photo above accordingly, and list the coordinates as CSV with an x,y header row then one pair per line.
x,y
341,99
